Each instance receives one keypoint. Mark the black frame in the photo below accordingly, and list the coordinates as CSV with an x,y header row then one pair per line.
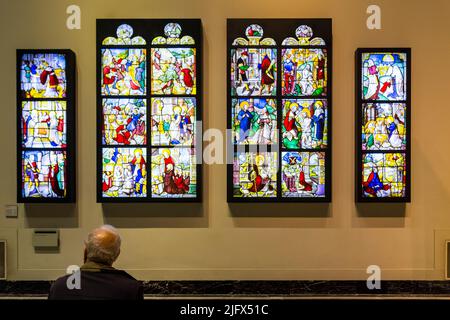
x,y
279,29
70,126
149,29
359,101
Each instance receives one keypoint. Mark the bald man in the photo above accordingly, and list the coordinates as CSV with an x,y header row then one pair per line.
x,y
98,280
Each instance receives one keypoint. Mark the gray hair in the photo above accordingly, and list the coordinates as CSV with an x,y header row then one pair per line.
x,y
100,250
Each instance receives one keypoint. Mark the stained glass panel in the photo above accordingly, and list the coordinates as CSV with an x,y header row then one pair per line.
x,y
44,124
124,72
384,175
305,124
384,76
151,105
43,75
384,126
174,173
279,110
44,174
383,129
303,174
173,121
124,172
253,71
124,122
304,72
173,71
254,121
255,174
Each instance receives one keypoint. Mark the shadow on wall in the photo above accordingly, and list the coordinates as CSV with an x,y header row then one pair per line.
x,y
54,215
280,215
155,215
379,215
381,210
159,215
273,210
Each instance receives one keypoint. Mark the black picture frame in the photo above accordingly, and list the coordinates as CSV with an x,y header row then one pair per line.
x,y
279,29
359,101
149,29
70,148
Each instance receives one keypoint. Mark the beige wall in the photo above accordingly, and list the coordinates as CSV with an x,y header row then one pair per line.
x,y
218,241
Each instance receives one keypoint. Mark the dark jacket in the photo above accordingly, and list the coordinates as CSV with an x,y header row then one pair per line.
x,y
98,282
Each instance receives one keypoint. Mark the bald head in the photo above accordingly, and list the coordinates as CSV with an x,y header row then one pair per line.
x,y
103,245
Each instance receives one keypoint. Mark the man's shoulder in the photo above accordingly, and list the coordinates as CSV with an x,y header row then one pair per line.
x,y
97,284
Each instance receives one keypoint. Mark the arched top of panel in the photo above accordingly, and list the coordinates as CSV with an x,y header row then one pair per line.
x,y
124,34
172,32
254,34
304,37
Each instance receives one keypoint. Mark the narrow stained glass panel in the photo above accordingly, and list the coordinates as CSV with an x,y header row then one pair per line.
x,y
173,71
124,121
303,174
173,121
43,75
124,172
253,71
255,174
384,175
44,174
384,126
304,72
254,121
384,76
123,72
44,124
305,124
174,173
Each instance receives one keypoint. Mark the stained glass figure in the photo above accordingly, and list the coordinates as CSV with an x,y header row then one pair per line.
x,y
43,75
174,173
173,121
255,174
123,72
44,174
253,71
254,121
124,121
384,126
384,76
384,175
124,172
44,124
304,72
173,71
305,124
303,174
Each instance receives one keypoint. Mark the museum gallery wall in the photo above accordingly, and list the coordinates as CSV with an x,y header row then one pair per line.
x,y
149,110
45,126
279,109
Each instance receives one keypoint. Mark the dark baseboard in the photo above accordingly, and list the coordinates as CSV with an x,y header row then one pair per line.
x,y
256,288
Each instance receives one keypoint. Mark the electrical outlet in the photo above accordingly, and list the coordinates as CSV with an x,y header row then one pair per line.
x,y
11,211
